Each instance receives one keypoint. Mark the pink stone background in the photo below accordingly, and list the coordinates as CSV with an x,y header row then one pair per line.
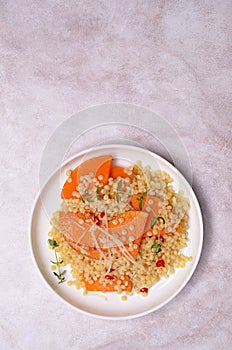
x,y
58,57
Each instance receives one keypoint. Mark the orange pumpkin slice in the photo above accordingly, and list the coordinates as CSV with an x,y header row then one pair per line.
x,y
125,229
100,166
70,187
117,171
96,286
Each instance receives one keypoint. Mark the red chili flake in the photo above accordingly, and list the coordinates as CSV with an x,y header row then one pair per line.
x,y
102,214
108,277
160,263
144,290
162,239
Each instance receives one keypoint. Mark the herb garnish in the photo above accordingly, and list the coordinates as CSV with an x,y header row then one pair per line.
x,y
154,221
53,244
85,195
119,186
141,199
98,191
60,275
157,246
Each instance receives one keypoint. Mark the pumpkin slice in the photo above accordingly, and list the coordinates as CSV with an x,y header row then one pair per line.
x,y
70,187
99,166
117,171
125,228
95,254
96,286
129,224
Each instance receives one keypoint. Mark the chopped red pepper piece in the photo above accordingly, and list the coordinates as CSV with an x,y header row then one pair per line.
x,y
160,263
144,290
108,277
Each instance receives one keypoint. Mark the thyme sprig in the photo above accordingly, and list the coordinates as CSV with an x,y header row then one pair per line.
x,y
141,199
157,246
85,196
98,190
60,275
154,221
119,186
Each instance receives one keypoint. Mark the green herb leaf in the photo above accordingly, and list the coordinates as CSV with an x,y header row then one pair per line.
x,y
99,189
157,246
57,262
97,193
141,199
118,197
120,183
85,195
53,262
53,243
62,280
119,186
154,221
60,276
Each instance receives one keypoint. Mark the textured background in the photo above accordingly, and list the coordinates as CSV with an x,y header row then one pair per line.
x,y
58,57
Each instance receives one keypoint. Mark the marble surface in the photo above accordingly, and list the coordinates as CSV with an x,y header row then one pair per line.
x,y
59,57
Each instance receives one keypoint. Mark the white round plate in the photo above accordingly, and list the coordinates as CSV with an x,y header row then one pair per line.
x,y
110,305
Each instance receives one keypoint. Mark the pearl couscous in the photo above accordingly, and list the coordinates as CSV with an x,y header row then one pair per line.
x,y
122,234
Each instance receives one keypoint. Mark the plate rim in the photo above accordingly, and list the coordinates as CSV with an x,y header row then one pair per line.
x,y
201,231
